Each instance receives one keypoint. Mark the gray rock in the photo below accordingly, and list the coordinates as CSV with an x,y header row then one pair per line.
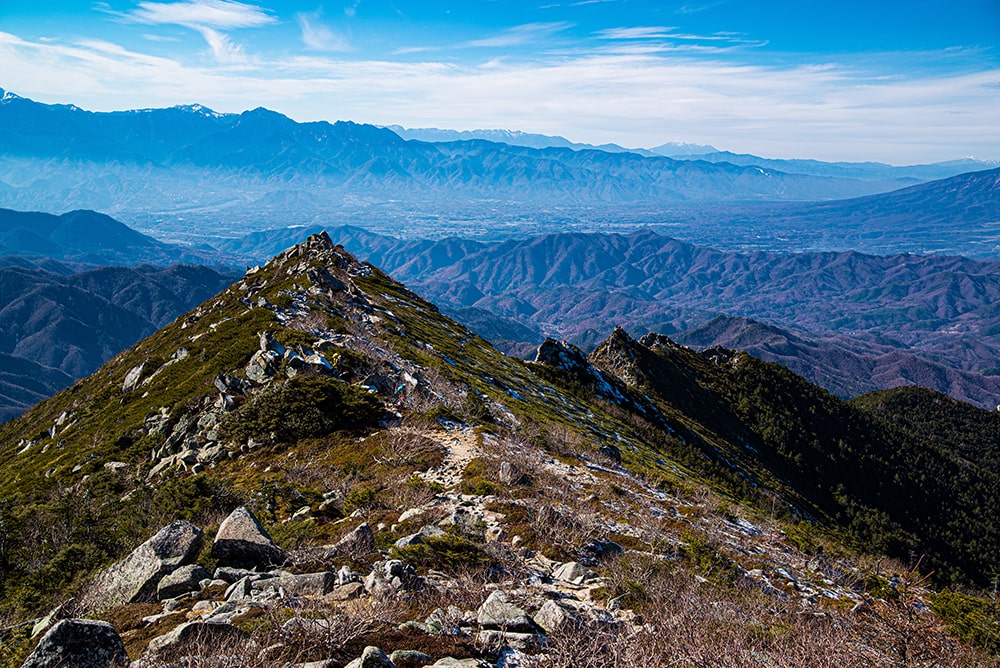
x,y
242,542
410,657
372,657
231,575
358,543
346,592
407,541
133,377
346,576
554,617
210,634
185,579
451,662
393,575
494,640
134,578
308,584
573,572
262,366
79,643
45,623
302,514
497,612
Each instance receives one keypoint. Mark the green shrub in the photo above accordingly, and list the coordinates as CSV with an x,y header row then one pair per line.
x,y
303,407
445,551
359,497
973,619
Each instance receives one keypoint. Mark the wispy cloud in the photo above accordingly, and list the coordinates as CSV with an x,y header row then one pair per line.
x,y
217,14
318,36
210,18
522,34
642,32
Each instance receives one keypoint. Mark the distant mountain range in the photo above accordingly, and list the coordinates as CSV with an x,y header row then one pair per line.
x,y
191,173
685,151
848,321
55,328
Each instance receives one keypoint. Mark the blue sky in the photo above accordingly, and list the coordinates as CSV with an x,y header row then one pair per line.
x,y
899,82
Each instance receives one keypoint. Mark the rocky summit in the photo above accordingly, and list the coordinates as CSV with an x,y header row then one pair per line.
x,y
316,467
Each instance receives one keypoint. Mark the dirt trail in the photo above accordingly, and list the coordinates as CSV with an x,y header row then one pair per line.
x,y
461,447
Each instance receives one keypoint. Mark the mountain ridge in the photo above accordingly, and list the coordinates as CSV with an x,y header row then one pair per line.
x,y
316,371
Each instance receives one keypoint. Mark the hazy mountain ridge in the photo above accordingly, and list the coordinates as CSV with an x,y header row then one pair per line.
x,y
152,167
65,327
87,238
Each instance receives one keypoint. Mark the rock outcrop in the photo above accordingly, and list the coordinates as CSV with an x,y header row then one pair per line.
x,y
79,643
135,578
242,542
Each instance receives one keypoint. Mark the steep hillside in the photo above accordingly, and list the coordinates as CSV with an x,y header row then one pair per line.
x,y
87,237
54,328
843,365
649,504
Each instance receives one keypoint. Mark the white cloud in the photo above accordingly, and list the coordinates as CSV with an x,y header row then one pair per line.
x,y
210,18
822,110
519,35
216,14
319,37
642,32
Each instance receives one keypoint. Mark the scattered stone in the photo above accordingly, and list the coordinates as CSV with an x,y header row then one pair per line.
x,y
497,612
242,542
451,662
209,634
372,657
302,514
495,640
554,617
133,377
573,572
183,580
134,578
308,584
262,366
79,643
346,576
407,658
358,543
394,575
346,592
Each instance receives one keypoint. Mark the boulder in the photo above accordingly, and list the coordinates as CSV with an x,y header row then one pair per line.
x,y
208,634
573,572
307,584
242,542
133,377
554,617
394,575
372,657
262,366
497,612
358,543
79,643
405,658
134,578
182,581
